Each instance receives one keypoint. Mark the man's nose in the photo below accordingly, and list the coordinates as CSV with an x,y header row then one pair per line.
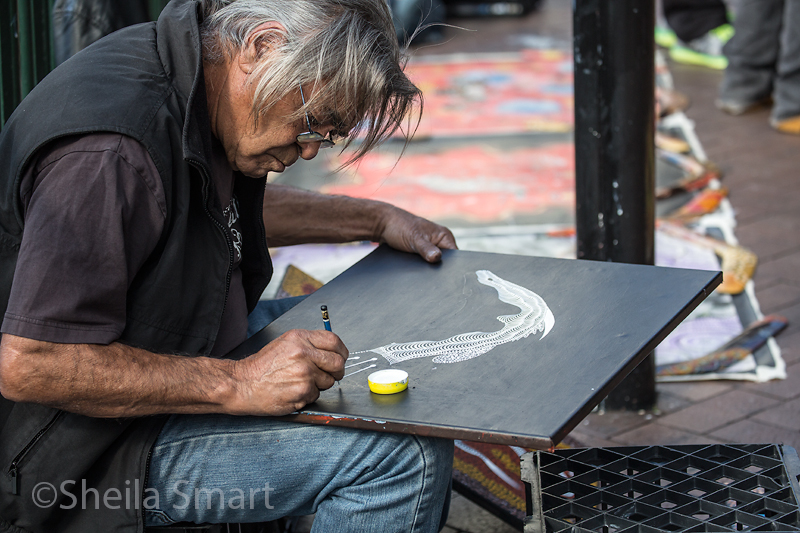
x,y
309,150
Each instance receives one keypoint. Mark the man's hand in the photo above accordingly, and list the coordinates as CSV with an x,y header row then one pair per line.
x,y
289,372
409,233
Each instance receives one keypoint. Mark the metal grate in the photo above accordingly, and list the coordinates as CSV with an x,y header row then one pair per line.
x,y
658,489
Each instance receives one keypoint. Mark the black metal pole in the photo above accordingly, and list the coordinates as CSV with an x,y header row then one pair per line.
x,y
614,149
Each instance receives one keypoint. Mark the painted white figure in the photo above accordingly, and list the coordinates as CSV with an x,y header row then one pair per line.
x,y
534,316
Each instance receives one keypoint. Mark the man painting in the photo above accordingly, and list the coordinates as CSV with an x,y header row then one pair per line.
x,y
134,223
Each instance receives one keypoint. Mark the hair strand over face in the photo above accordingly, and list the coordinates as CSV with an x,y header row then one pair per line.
x,y
345,51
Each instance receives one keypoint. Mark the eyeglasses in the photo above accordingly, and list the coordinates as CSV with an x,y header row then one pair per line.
x,y
312,136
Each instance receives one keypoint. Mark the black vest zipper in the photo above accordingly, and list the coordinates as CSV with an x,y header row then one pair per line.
x,y
225,233
13,470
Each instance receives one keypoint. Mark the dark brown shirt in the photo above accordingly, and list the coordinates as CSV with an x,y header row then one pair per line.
x,y
94,210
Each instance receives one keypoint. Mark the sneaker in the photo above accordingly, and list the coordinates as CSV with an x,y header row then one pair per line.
x,y
665,37
705,51
789,125
736,107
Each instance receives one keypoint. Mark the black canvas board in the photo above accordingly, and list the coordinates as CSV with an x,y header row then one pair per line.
x,y
531,392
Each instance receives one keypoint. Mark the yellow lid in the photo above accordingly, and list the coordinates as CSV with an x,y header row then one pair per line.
x,y
388,381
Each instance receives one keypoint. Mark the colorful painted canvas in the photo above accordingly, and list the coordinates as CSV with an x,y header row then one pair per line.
x,y
511,93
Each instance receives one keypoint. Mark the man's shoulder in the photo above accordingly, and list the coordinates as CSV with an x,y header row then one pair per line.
x,y
124,146
78,158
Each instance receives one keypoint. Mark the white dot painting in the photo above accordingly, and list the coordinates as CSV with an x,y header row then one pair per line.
x,y
534,316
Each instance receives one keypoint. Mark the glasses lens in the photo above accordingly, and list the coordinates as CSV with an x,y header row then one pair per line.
x,y
310,137
315,137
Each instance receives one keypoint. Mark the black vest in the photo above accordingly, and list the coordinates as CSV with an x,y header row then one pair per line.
x,y
145,82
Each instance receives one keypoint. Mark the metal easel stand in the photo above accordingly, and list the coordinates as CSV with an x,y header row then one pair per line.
x,y
529,470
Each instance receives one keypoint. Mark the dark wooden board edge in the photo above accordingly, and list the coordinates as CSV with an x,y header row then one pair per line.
x,y
646,350
423,430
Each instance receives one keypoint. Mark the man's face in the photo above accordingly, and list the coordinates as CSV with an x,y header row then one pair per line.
x,y
268,145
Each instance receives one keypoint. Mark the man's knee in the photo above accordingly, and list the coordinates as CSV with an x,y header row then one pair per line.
x,y
424,460
432,460
434,453
440,452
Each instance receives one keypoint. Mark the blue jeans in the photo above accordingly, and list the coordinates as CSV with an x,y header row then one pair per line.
x,y
229,469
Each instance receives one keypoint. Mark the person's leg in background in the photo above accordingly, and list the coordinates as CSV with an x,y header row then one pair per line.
x,y
701,29
691,19
786,112
752,56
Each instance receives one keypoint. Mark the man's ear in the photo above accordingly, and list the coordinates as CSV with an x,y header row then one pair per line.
x,y
259,42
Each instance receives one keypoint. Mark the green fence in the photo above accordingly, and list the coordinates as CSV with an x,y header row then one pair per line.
x,y
26,47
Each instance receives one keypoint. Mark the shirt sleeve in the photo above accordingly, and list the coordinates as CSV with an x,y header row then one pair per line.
x,y
94,210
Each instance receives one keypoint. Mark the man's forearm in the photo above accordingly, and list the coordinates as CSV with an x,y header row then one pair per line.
x,y
114,380
297,216
121,381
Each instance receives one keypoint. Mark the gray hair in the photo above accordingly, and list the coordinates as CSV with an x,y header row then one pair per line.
x,y
345,50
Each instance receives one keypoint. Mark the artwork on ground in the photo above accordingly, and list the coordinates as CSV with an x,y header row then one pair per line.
x,y
530,91
478,183
534,316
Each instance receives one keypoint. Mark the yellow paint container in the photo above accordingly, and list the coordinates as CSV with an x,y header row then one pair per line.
x,y
388,381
